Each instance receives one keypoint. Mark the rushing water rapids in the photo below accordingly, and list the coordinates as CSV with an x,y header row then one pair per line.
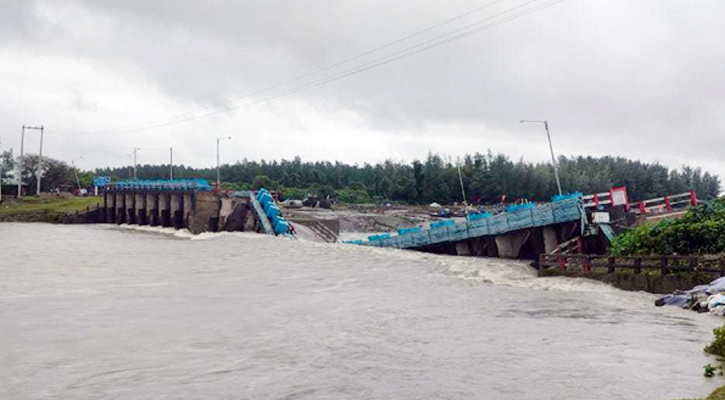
x,y
91,312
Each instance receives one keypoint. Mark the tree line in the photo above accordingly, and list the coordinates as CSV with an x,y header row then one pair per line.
x,y
486,178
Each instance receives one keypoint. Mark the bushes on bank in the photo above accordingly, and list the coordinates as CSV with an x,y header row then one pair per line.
x,y
700,231
717,347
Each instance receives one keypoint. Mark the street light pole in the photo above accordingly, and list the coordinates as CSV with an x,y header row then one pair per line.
x,y
218,174
171,163
551,148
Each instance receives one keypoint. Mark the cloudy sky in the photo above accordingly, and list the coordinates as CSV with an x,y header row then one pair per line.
x,y
364,80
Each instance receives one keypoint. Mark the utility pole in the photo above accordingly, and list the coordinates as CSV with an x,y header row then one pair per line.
x,y
78,181
218,174
20,166
40,163
463,191
551,148
171,163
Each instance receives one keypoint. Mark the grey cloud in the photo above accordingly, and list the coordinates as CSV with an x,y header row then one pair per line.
x,y
634,73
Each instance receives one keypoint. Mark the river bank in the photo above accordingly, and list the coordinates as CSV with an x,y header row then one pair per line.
x,y
50,209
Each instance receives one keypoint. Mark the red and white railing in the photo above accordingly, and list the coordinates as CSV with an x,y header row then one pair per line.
x,y
613,197
667,203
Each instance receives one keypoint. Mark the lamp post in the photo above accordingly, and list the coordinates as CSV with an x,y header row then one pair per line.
x,y
551,148
218,175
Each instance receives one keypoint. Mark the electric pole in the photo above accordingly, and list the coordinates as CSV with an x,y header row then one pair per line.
x,y
40,158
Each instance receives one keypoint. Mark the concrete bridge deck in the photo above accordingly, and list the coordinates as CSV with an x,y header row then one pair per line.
x,y
509,230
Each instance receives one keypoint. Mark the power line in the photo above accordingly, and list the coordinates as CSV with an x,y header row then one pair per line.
x,y
184,117
406,52
363,54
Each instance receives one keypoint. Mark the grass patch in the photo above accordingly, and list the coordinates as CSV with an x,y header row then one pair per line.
x,y
717,394
11,206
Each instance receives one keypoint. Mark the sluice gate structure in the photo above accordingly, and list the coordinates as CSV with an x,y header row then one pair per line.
x,y
187,204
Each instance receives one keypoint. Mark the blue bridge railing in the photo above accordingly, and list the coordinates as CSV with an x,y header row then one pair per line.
x,y
163,185
562,209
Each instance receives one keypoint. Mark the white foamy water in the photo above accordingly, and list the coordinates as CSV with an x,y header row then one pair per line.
x,y
91,312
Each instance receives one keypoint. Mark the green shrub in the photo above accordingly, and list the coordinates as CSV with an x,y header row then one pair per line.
x,y
717,347
700,231
352,196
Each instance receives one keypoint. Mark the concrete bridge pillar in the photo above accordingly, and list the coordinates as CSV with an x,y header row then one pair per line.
x,y
140,209
225,211
152,208
120,208
187,208
550,239
509,245
463,248
130,200
165,209
251,220
177,210
110,200
206,213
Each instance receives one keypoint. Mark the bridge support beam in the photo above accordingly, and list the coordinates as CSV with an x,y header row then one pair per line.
x,y
140,209
509,245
